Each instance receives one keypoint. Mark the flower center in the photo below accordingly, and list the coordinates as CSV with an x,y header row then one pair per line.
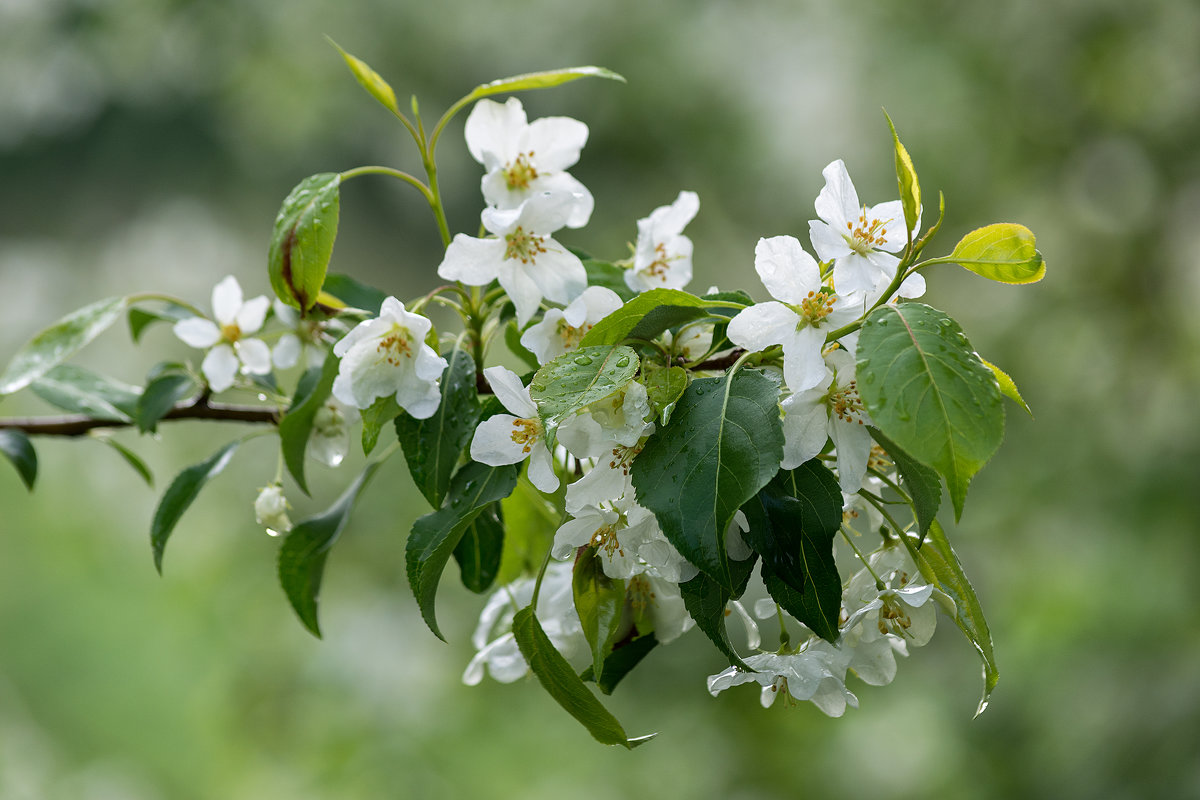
x,y
605,539
623,457
230,332
526,432
523,246
661,265
520,172
846,404
814,308
641,594
867,235
893,618
570,335
394,346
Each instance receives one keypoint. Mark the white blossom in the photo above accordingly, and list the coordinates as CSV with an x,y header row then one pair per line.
x,y
388,356
329,440
516,436
270,510
228,335
816,672
523,159
561,330
662,257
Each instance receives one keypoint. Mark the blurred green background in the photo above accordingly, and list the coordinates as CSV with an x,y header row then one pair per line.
x,y
146,145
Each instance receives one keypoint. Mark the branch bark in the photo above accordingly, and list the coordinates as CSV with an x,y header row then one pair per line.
x,y
201,408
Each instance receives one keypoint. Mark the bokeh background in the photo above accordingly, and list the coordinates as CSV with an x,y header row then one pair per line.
x,y
146,145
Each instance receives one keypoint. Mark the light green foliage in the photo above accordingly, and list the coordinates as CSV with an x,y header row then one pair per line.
x,y
906,177
376,86
646,316
1008,387
82,391
1003,252
541,80
577,379
302,242
58,342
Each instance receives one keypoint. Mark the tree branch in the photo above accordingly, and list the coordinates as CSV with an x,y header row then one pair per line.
x,y
81,424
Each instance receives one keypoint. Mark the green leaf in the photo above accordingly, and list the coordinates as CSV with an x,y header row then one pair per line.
x,y
17,448
82,391
1004,252
646,316
664,387
296,426
577,379
160,396
541,80
940,566
608,275
724,444
620,662
557,677
180,494
433,446
906,177
929,393
353,293
374,417
480,549
302,242
530,522
706,601
599,602
139,318
54,344
376,86
435,536
1008,388
921,482
306,548
131,458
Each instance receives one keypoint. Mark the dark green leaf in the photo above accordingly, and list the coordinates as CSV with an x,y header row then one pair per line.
x,y
131,458
480,549
577,379
54,344
610,276
620,662
17,448
296,426
140,318
564,685
304,551
724,444
929,393
433,446
541,80
599,602
82,391
435,536
180,494
302,242
353,293
921,482
941,567
706,601
664,387
374,417
646,316
160,396
1003,252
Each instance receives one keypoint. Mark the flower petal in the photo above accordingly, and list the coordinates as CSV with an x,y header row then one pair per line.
x,y
789,273
219,367
493,443
251,315
226,300
197,332
762,325
493,131
254,355
472,261
511,393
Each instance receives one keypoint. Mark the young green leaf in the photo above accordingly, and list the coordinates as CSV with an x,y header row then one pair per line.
x,y
1007,387
17,448
161,394
374,417
608,275
435,536
541,80
140,318
646,316
480,549
296,426
180,494
433,446
512,339
724,444
369,79
355,294
305,550
929,393
557,677
577,379
1004,252
921,482
530,523
131,458
664,387
940,566
54,344
302,242
82,391
906,177
599,602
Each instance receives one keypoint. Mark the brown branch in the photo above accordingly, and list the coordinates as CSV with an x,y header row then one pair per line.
x,y
80,424
724,362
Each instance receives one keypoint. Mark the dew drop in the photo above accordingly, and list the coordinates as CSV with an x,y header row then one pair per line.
x,y
583,361
623,361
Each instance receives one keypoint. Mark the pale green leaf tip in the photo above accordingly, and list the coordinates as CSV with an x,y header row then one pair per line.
x,y
638,741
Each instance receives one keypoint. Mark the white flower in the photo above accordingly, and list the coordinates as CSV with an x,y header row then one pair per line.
x,y
817,673
329,440
523,159
662,257
270,510
522,256
388,356
617,420
806,312
231,350
833,410
658,605
301,336
508,439
859,240
901,608
561,330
